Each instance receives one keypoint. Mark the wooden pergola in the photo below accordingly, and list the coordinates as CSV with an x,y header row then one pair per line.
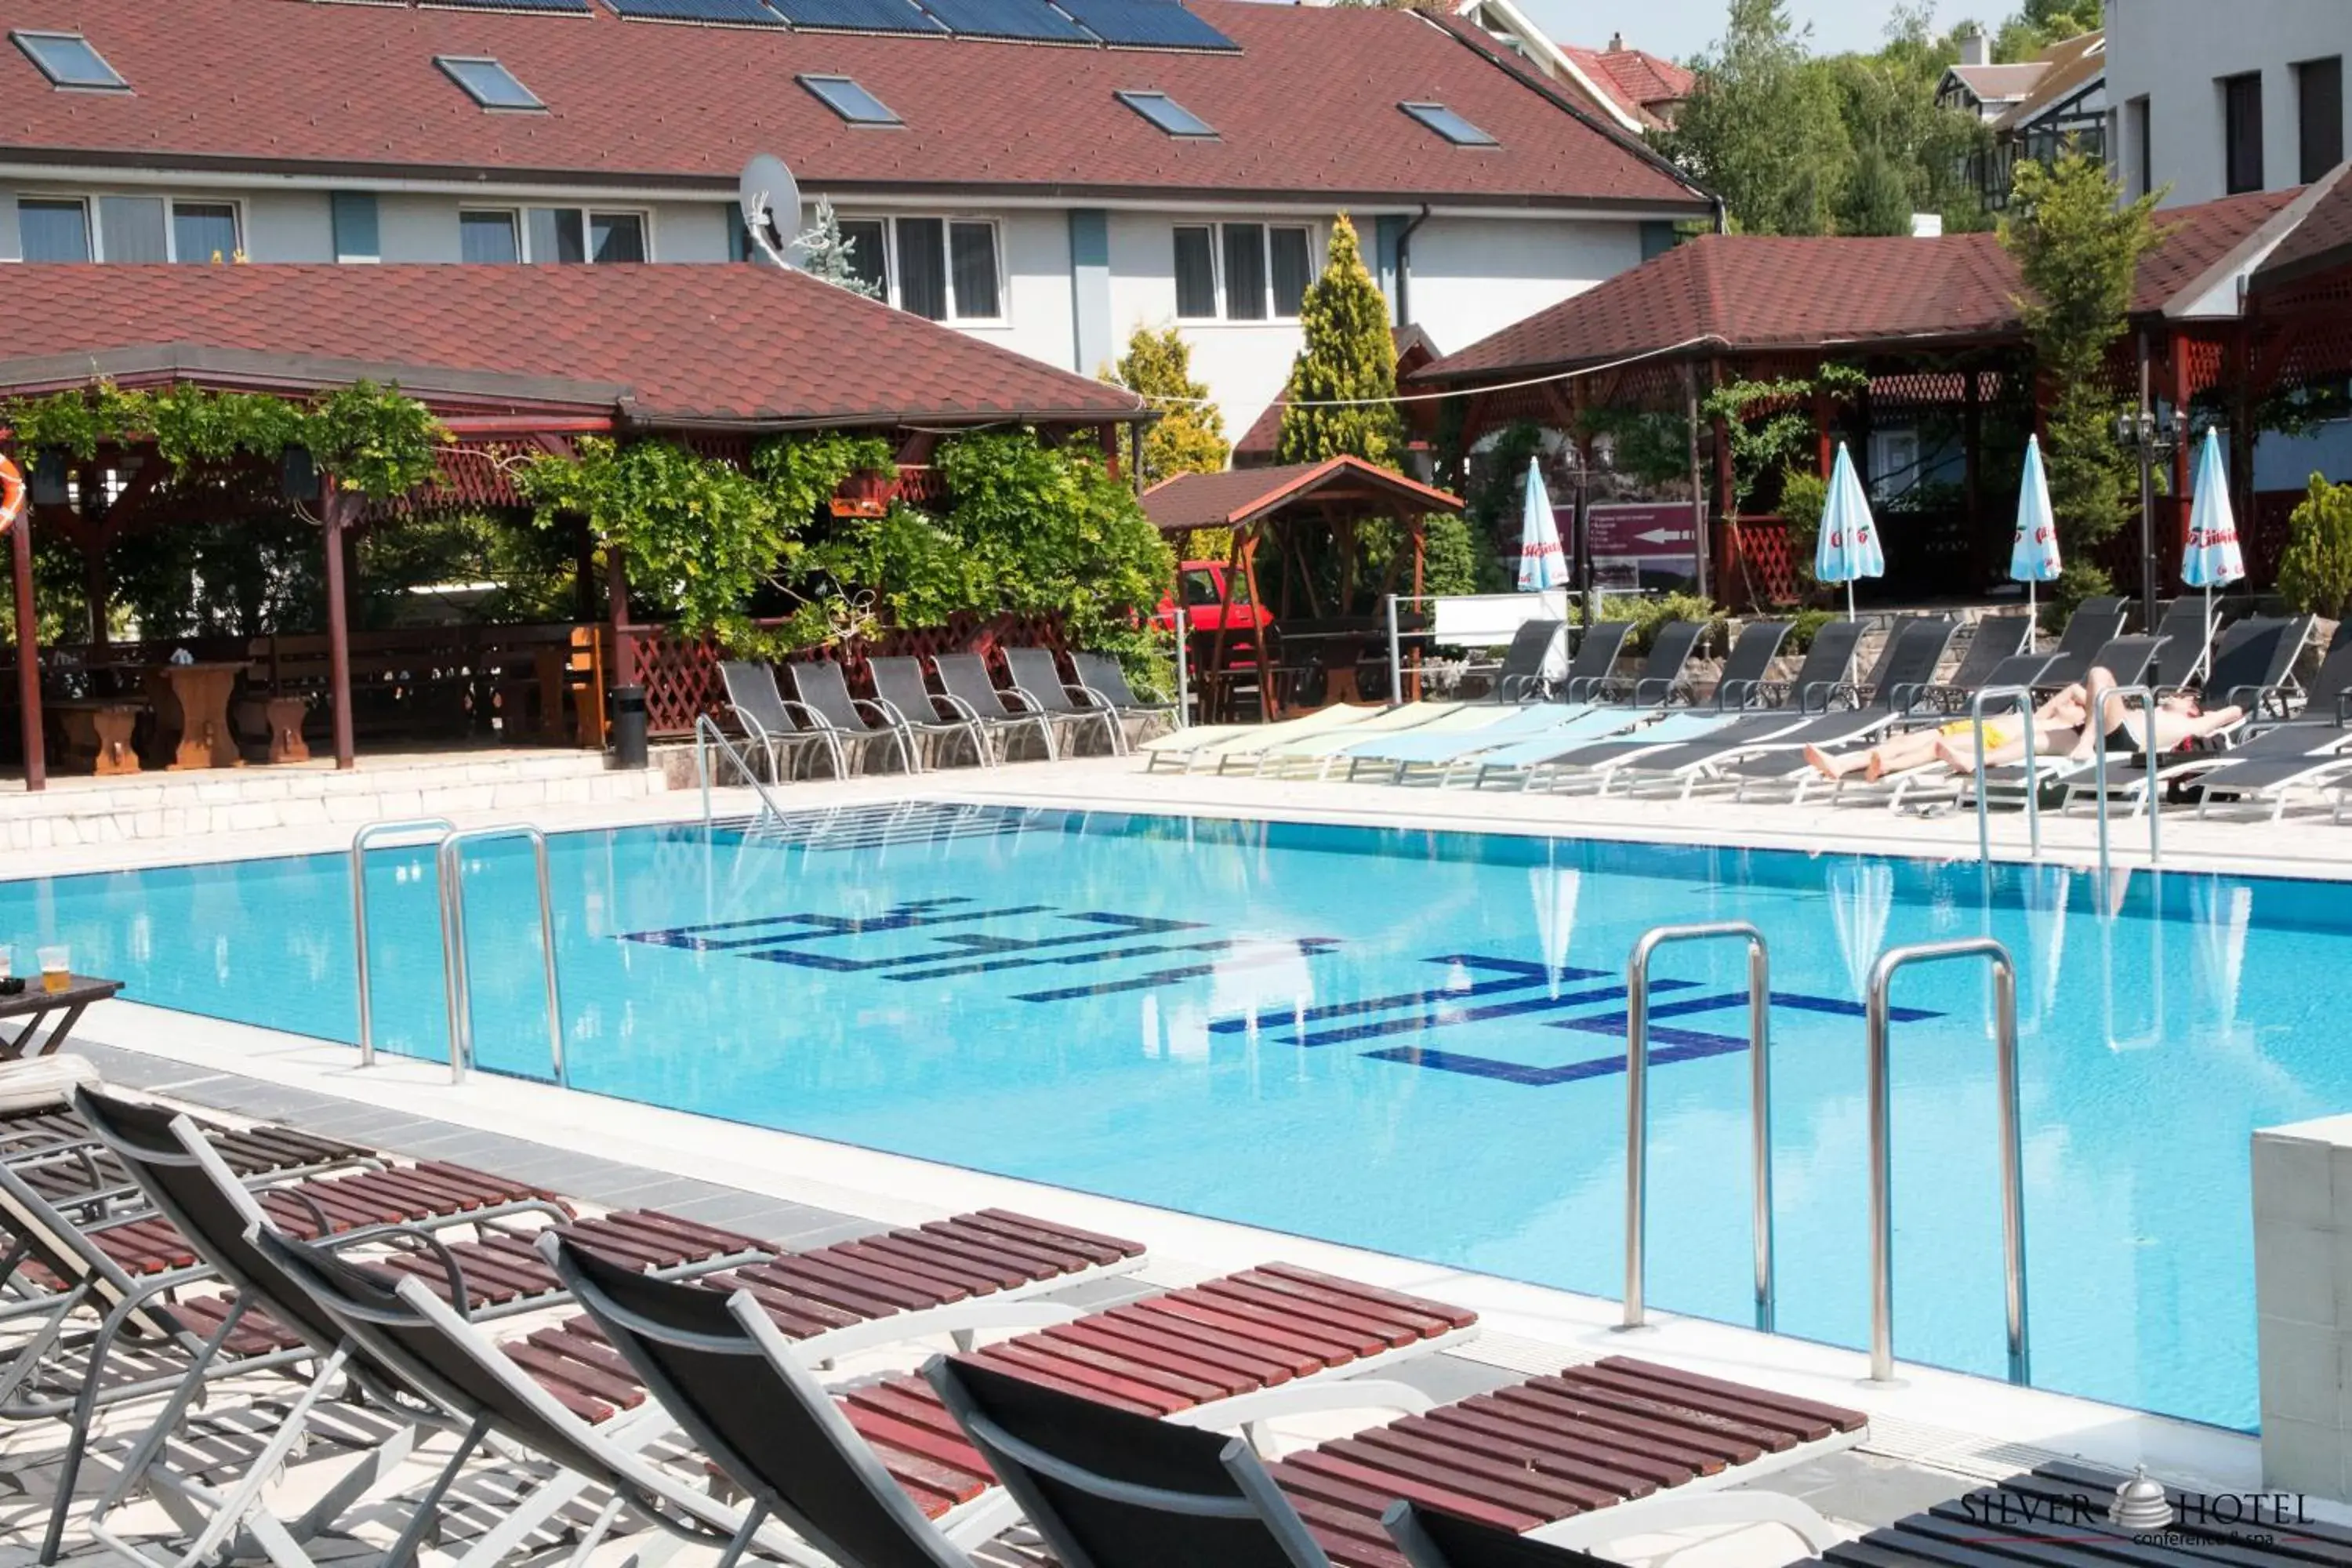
x,y
513,362
1255,505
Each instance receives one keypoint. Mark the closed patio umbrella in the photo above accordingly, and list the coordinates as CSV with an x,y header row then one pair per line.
x,y
1543,566
1847,547
2212,559
2033,554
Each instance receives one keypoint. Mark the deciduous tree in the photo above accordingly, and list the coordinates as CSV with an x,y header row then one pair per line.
x,y
1190,436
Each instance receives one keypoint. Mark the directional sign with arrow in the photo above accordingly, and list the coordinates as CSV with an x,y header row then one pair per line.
x,y
1665,528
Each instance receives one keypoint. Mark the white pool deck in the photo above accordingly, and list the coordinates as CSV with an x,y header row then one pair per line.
x,y
1963,1426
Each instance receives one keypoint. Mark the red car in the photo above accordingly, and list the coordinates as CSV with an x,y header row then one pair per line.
x,y
1202,583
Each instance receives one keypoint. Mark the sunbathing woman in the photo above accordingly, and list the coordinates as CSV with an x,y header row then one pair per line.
x,y
2179,718
2057,723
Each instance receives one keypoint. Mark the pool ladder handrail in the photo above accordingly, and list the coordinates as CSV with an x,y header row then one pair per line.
x,y
1637,1117
438,827
449,891
2099,766
2024,696
707,733
2012,1157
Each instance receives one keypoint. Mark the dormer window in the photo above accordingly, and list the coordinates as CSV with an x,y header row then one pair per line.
x,y
69,61
488,82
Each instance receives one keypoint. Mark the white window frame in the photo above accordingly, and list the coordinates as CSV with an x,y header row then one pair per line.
x,y
88,218
520,217
93,223
1266,227
946,220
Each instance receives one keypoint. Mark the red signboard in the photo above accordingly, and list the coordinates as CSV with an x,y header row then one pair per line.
x,y
1661,528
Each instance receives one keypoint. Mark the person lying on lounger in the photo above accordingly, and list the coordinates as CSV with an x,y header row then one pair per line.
x,y
2060,731
2056,724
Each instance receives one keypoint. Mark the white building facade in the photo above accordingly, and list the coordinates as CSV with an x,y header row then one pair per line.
x,y
2210,101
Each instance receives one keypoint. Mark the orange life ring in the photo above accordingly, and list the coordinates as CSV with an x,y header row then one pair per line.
x,y
12,494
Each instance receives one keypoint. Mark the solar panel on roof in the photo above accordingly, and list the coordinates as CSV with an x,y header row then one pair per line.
x,y
579,7
1149,24
1008,19
857,16
735,13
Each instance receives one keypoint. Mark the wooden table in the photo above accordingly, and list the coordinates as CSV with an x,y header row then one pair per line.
x,y
98,731
35,1005
199,694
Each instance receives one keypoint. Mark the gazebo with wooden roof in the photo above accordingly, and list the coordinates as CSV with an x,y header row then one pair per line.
x,y
1254,504
512,361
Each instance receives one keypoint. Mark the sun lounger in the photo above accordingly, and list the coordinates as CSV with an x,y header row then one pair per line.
x,y
902,693
1003,714
2306,751
1994,641
1593,1453
2095,624
1740,683
2128,659
957,1273
1904,671
1266,746
1100,674
1822,675
2187,635
2019,673
765,714
1038,677
1208,740
1595,662
1548,724
823,690
1521,677
1661,674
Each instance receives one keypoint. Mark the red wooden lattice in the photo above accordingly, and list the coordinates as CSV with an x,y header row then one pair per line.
x,y
1756,566
680,675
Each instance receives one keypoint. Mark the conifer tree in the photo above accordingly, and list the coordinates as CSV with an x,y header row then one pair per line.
x,y
1349,355
1189,438
826,253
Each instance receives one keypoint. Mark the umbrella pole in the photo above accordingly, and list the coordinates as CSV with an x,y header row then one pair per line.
x,y
2032,621
2208,647
1849,598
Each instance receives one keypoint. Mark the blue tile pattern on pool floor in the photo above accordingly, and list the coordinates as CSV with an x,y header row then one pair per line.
x,y
1401,1039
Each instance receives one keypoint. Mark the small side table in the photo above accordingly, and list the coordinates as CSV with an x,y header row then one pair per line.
x,y
285,717
35,1005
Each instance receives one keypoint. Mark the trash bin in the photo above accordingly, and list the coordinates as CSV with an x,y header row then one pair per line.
x,y
629,726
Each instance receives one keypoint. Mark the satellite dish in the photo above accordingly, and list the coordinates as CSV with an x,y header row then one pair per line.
x,y
772,207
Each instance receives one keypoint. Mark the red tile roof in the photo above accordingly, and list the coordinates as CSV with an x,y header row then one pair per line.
x,y
1237,496
1308,105
2322,240
1640,82
1759,292
726,344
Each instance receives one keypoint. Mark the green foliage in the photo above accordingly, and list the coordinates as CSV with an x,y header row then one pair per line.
x,y
1804,626
1500,481
700,533
1189,438
2039,24
802,472
1648,614
1769,423
1804,495
1852,143
826,256
2314,574
2077,580
1455,562
1348,355
376,442
2077,250
1650,447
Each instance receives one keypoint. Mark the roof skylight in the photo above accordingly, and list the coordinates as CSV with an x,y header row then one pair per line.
x,y
1448,124
68,60
488,82
1168,114
846,97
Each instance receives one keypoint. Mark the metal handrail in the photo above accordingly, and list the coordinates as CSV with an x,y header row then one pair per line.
x,y
455,981
1183,625
1396,658
1637,1115
706,731
2098,722
2024,696
360,842
2012,1170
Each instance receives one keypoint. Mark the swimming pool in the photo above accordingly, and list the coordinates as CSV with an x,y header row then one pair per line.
x,y
1411,1041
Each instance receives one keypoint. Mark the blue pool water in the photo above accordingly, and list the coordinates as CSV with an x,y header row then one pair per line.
x,y
1408,1041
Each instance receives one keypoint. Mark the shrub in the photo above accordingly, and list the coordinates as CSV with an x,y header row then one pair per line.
x,y
2079,581
1803,496
1649,613
2314,574
1803,626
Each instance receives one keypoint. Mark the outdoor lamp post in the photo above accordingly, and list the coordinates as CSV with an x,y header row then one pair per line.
x,y
2151,436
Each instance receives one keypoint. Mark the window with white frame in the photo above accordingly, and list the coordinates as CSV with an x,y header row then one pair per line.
x,y
551,235
945,269
1243,271
120,228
